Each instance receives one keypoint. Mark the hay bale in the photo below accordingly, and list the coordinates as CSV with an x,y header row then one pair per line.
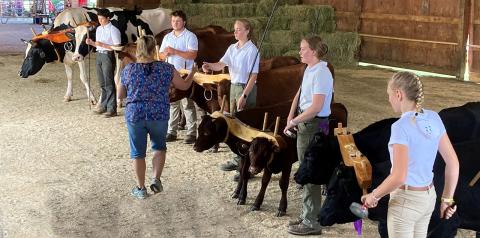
x,y
293,53
343,48
325,19
181,1
264,7
189,9
284,37
270,50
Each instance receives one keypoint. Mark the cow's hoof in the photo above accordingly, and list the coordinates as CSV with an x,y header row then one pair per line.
x,y
254,208
67,98
241,202
280,213
235,195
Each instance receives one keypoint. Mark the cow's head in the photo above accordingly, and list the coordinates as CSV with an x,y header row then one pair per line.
x,y
319,161
342,190
210,132
260,151
36,55
82,32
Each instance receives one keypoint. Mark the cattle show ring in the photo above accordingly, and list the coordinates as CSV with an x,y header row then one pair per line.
x,y
67,172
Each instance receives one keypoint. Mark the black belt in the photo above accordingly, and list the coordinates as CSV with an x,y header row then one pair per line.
x,y
318,117
239,84
106,52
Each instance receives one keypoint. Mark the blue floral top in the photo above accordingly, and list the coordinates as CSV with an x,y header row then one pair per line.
x,y
147,91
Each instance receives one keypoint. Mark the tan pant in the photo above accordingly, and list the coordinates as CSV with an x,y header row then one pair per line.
x,y
409,213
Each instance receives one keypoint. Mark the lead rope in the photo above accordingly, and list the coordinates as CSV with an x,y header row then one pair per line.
x,y
261,41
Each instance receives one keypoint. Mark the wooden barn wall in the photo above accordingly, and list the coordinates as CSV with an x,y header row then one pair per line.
x,y
347,12
418,34
129,4
474,49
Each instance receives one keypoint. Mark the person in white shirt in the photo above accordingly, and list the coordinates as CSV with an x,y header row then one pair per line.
x,y
242,59
180,48
309,115
107,35
414,142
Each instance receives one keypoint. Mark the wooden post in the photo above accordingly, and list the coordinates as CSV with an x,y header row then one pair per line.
x,y
461,52
277,122
222,106
474,180
265,117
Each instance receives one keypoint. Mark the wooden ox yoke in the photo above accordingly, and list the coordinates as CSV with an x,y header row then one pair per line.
x,y
203,79
352,157
247,133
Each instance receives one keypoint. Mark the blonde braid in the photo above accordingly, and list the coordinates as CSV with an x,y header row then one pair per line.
x,y
420,97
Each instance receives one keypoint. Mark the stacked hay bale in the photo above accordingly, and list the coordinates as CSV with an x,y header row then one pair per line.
x,y
290,23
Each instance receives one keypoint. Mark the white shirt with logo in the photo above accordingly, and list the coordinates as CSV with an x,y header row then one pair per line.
x,y
422,137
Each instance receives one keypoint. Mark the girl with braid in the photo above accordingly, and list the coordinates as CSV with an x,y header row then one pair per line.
x,y
414,141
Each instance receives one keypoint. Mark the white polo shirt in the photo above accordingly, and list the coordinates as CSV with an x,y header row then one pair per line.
x,y
240,60
422,137
108,34
186,41
317,80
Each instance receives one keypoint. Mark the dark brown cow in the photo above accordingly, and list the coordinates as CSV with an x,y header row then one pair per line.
x,y
212,131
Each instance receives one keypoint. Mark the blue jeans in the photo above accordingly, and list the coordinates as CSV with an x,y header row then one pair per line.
x,y
137,134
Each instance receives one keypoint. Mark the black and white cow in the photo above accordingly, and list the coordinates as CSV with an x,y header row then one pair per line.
x,y
462,124
40,52
37,54
153,21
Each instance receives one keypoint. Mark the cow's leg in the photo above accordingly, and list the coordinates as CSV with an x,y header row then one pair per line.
x,y
382,228
236,193
118,68
244,176
83,77
69,93
267,175
284,182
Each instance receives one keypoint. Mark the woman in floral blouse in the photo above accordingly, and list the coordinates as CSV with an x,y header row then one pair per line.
x,y
145,84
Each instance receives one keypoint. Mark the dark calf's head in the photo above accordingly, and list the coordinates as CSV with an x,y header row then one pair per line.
x,y
319,162
260,151
342,190
210,132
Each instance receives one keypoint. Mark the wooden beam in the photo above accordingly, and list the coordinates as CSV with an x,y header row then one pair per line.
x,y
427,68
408,39
397,17
460,50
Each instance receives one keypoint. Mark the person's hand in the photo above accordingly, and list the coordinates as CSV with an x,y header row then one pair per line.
x,y
369,200
447,210
90,42
290,124
241,102
169,51
206,67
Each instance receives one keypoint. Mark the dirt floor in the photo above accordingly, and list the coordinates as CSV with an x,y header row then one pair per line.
x,y
66,172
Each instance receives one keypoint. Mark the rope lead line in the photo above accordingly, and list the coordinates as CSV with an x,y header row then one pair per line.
x,y
262,39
